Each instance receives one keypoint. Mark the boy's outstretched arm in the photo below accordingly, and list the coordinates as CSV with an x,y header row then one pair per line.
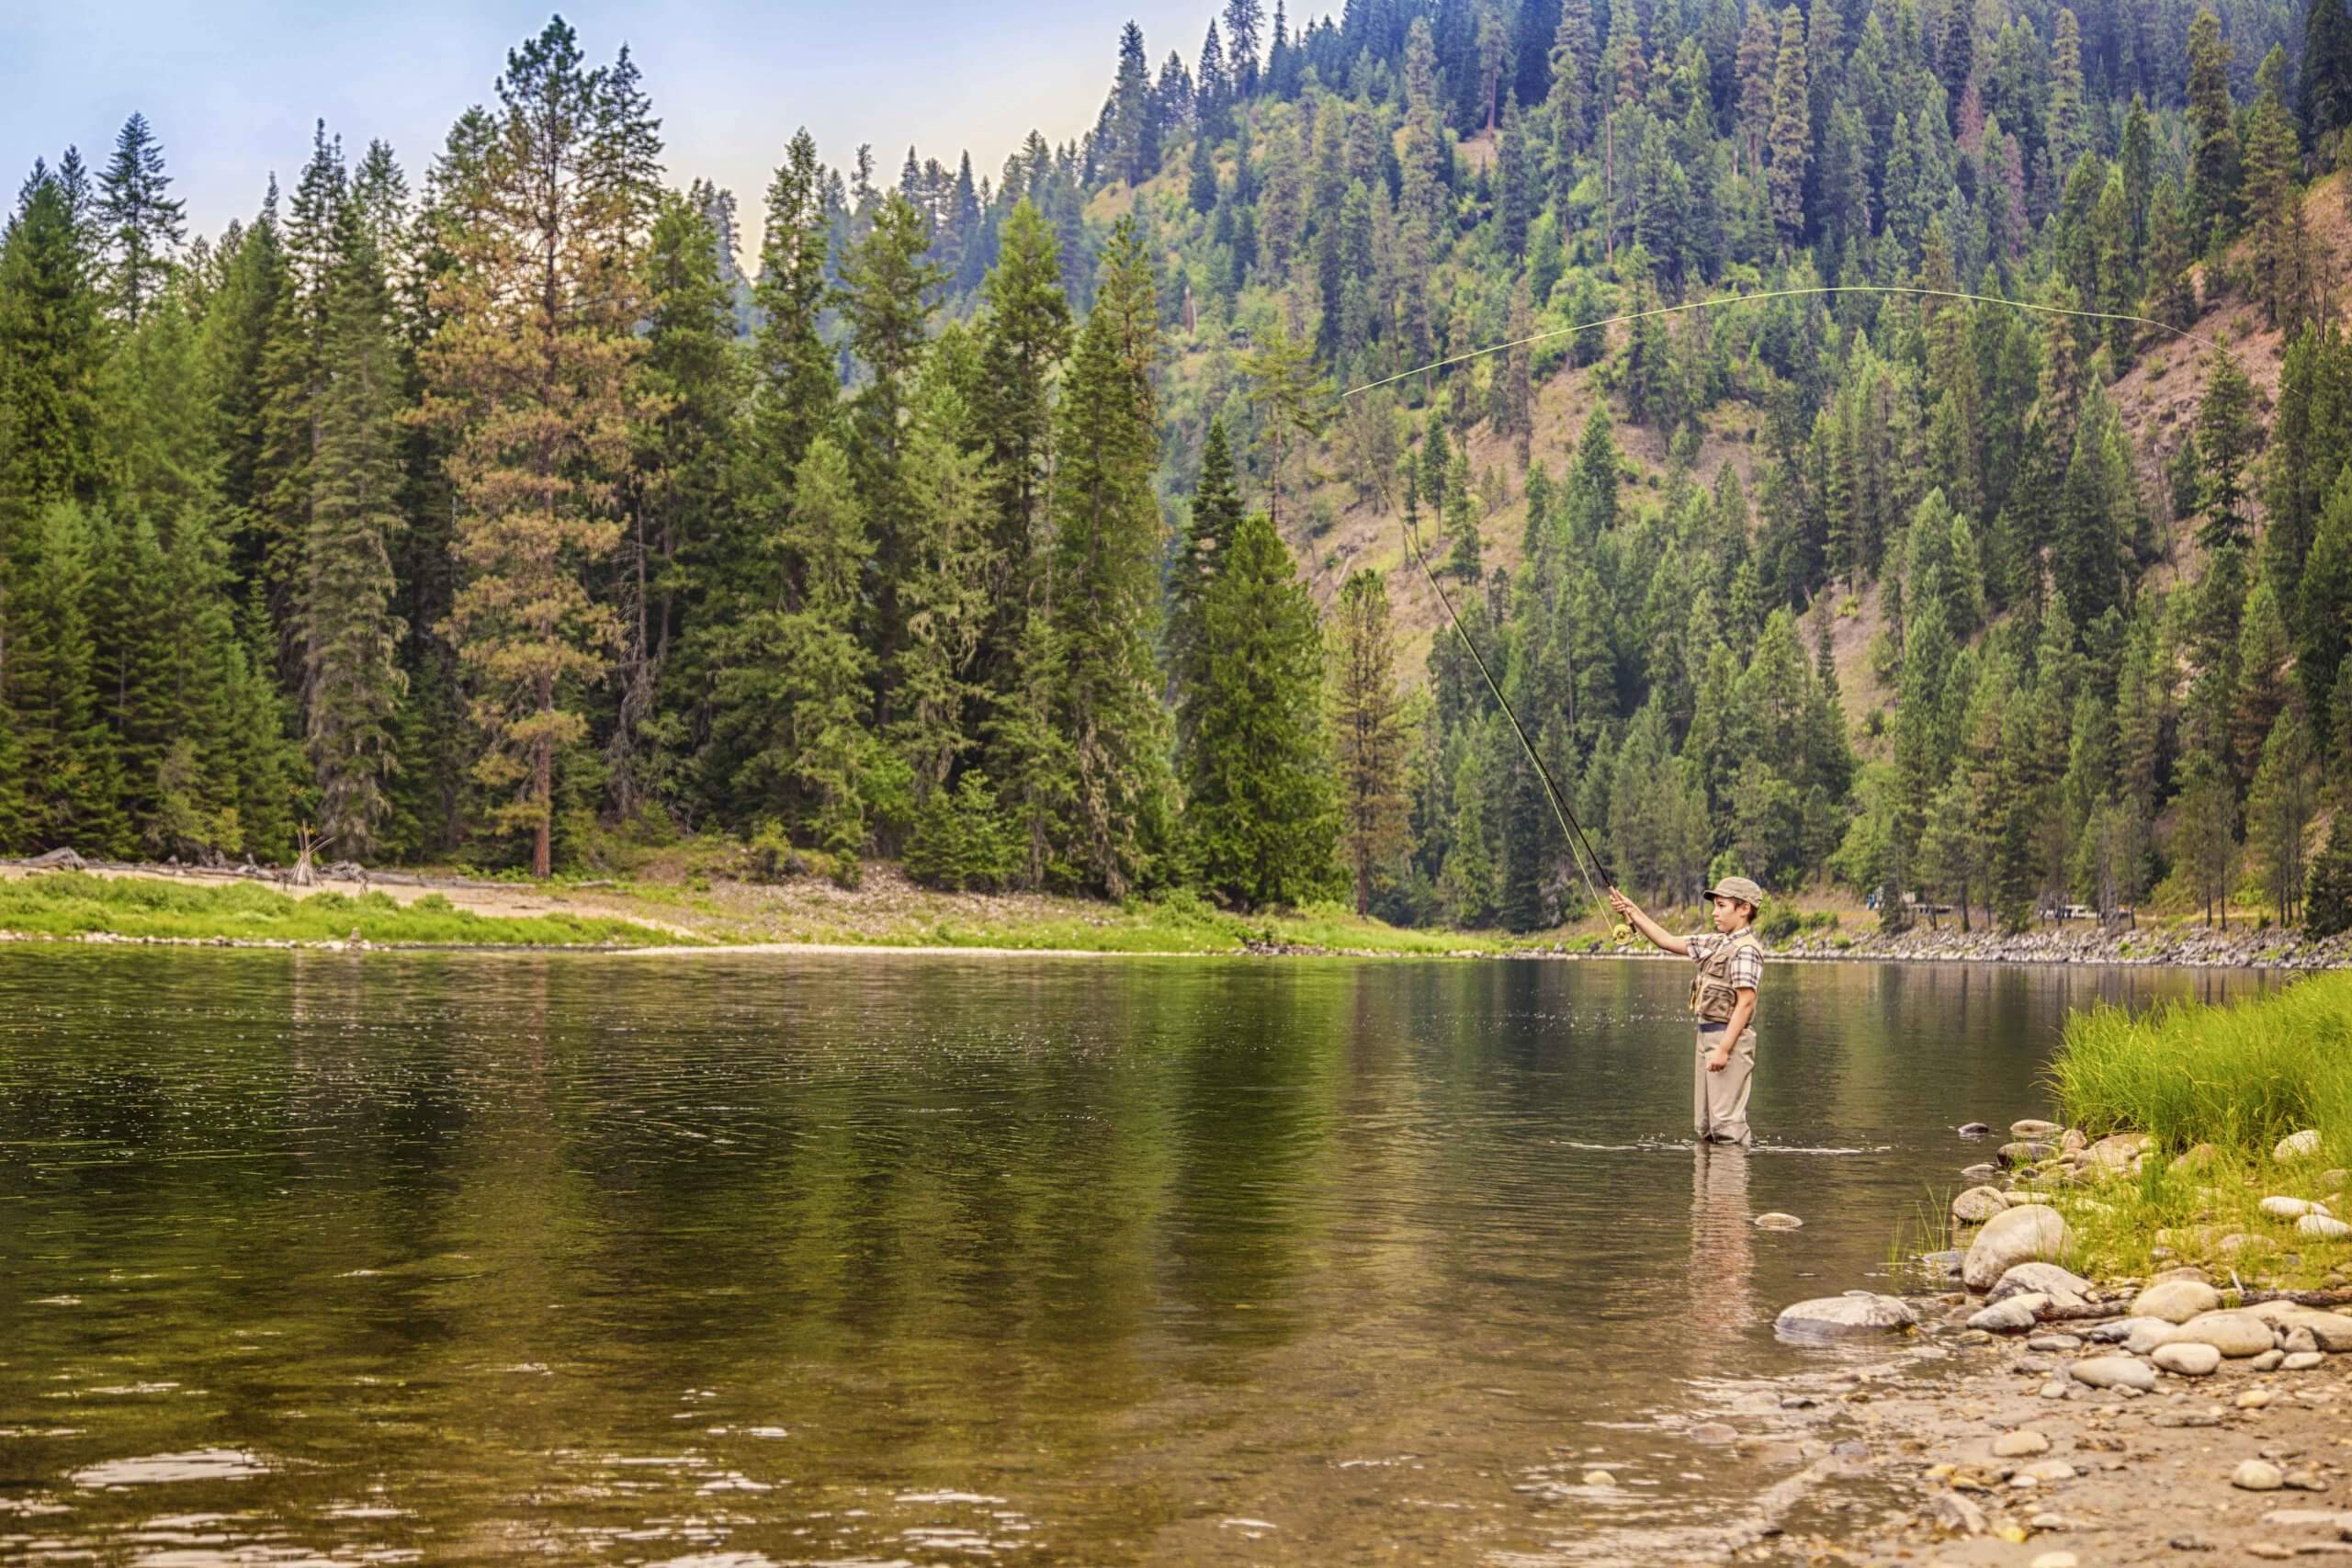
x,y
1657,934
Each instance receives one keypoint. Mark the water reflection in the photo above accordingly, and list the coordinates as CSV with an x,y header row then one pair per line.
x,y
823,1260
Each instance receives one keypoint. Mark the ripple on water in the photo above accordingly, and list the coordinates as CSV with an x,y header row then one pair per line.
x,y
196,1465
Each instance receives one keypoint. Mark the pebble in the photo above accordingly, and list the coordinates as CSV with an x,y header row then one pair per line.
x,y
2256,1475
2305,1481
1776,1220
2189,1543
2047,1522
2053,1391
2057,1560
2254,1398
2301,1360
2050,1470
2054,1342
2269,1551
2020,1444
1598,1478
2268,1361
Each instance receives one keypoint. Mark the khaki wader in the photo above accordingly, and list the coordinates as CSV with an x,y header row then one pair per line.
x,y
1719,1099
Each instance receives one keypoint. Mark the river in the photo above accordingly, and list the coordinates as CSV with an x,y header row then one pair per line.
x,y
871,1259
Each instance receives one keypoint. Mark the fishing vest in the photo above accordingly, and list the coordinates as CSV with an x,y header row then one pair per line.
x,y
1711,996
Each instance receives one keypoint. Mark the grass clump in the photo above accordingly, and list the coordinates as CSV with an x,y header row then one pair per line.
x,y
2216,1089
2239,1078
67,903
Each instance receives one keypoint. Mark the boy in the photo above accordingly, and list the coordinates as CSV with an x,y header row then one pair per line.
x,y
1722,1001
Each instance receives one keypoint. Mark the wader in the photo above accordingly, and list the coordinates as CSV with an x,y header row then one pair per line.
x,y
1719,1100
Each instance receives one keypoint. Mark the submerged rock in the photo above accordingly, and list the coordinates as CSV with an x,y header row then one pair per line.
x,y
1841,1318
1777,1221
2027,1234
1976,1130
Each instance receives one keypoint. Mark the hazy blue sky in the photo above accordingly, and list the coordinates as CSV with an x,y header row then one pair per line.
x,y
231,86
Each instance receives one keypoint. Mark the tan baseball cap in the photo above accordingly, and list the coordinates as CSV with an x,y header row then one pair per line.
x,y
1738,887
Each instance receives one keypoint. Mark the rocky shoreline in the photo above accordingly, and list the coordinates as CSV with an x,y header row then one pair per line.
x,y
2043,1418
2192,947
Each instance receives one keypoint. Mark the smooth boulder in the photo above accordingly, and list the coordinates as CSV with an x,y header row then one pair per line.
x,y
2028,1233
2236,1335
2118,1150
2322,1227
1978,1204
2279,1208
2176,1301
1843,1318
2116,1371
2013,1316
2025,1152
1776,1220
2032,1131
2063,1287
2297,1145
2187,1358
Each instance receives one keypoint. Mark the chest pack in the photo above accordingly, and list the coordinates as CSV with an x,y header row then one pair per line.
x,y
1711,993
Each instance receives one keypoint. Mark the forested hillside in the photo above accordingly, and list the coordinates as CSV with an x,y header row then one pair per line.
x,y
1046,528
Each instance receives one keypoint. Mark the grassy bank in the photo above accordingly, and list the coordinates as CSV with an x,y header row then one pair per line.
x,y
2217,1089
69,904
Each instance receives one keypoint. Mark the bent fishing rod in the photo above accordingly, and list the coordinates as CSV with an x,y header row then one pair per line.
x,y
1571,829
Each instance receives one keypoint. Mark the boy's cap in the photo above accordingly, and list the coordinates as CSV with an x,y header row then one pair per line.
x,y
1738,887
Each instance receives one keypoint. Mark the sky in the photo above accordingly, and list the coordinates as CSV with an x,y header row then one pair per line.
x,y
232,87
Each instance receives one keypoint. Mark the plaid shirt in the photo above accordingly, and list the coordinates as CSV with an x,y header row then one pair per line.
x,y
1747,960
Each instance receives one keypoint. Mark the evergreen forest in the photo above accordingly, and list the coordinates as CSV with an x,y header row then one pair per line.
x,y
507,506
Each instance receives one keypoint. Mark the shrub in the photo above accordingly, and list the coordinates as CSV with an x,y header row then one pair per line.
x,y
960,841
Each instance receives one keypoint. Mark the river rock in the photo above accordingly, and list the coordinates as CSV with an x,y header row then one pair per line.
x,y
1942,1265
2032,1131
2023,1153
2056,1560
2256,1475
2148,1333
2301,1360
1977,1174
2014,1316
2297,1145
2023,1443
2235,1334
2255,1398
2332,1331
2054,1344
1957,1514
2326,1227
2072,1141
1840,1317
2281,1208
2118,1150
2116,1371
2063,1287
2187,1358
2268,1361
1776,1220
1977,1204
2176,1301
2027,1234
1976,1130
2199,1156
2333,1180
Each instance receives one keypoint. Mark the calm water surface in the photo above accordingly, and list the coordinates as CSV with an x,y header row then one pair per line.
x,y
871,1259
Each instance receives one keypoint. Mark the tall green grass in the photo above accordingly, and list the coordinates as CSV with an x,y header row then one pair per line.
x,y
74,904
2239,1078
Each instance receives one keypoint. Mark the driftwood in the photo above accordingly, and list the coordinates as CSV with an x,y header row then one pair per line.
x,y
2089,1311
56,860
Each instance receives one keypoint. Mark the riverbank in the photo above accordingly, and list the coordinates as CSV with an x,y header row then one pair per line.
x,y
683,905
2143,1345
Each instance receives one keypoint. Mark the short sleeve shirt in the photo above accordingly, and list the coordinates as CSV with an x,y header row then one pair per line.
x,y
1746,960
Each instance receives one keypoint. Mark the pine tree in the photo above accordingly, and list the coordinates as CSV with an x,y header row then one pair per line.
x,y
530,371
351,636
2324,104
1024,340
944,589
144,226
1106,598
2172,251
1209,531
793,394
66,756
1242,18
1135,119
2069,118
2213,197
294,373
1791,132
2272,200
1292,400
1258,779
51,349
1370,736
2227,437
